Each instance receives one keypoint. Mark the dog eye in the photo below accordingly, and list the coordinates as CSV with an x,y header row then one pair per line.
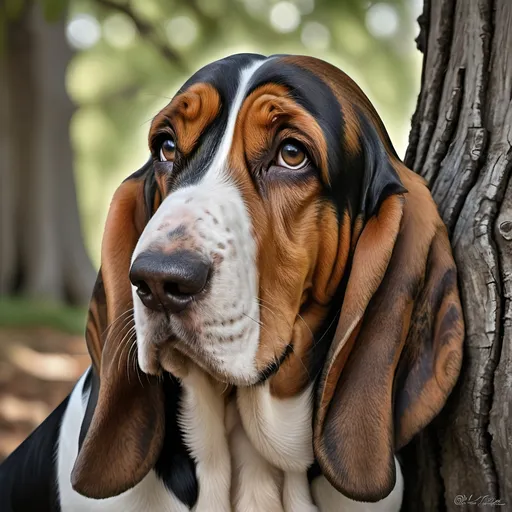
x,y
292,155
167,150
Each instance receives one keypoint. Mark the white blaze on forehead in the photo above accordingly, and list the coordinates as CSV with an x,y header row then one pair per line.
x,y
218,164
214,214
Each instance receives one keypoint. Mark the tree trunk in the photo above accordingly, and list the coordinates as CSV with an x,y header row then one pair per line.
x,y
41,249
461,144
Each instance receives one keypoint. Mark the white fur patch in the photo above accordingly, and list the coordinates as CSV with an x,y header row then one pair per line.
x,y
256,485
201,418
280,429
296,493
221,330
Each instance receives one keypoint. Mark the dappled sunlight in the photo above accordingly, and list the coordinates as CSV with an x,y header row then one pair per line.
x,y
13,409
44,366
38,368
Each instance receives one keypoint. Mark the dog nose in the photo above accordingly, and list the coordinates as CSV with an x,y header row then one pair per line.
x,y
168,282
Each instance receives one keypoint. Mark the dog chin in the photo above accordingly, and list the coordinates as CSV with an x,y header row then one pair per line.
x,y
178,360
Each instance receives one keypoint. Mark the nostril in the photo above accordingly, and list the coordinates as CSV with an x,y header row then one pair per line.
x,y
143,289
176,289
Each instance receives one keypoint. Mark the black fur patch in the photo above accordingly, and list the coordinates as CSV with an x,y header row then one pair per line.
x,y
175,465
91,389
28,476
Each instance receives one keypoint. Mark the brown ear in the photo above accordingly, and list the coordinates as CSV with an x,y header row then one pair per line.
x,y
125,434
397,350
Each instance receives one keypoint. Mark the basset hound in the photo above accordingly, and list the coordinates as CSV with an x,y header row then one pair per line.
x,y
276,313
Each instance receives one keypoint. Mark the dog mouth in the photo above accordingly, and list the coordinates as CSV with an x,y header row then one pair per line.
x,y
174,355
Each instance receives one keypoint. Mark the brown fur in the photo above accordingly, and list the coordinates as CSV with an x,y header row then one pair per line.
x,y
357,427
286,228
126,432
189,113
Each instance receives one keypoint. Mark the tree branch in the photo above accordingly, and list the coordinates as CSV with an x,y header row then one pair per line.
x,y
147,32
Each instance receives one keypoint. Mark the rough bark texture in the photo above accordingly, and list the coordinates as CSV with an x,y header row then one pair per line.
x,y
461,143
41,250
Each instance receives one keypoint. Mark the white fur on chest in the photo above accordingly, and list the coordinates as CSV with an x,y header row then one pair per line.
x,y
271,448
281,431
202,420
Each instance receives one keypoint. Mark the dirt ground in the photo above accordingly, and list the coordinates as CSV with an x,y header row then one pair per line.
x,y
38,368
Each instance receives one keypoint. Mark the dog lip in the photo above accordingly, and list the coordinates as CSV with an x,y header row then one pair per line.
x,y
274,366
153,367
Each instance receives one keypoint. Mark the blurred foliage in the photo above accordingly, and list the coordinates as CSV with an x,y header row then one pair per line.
x,y
17,312
132,55
12,9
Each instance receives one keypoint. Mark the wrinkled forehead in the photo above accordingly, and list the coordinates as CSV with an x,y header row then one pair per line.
x,y
209,107
249,71
236,77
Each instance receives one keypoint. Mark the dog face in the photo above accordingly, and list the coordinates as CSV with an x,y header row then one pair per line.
x,y
239,264
275,235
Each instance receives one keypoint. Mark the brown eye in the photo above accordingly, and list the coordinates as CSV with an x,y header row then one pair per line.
x,y
292,155
167,150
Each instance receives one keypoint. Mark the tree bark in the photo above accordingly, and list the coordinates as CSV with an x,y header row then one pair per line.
x,y
460,143
42,253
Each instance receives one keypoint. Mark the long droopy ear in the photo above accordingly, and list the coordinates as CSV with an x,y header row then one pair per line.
x,y
397,350
123,430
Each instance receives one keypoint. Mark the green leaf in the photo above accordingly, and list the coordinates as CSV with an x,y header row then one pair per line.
x,y
54,9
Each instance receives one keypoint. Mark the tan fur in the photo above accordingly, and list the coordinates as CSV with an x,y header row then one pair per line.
x,y
189,113
286,227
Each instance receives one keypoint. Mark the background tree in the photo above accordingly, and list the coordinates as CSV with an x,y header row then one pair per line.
x,y
41,250
460,143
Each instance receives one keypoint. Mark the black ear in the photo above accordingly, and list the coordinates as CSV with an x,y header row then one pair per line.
x,y
380,179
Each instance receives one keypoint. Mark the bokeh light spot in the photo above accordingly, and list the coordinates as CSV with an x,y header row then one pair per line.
x,y
119,31
305,6
382,20
181,31
284,17
416,8
315,36
83,31
256,8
